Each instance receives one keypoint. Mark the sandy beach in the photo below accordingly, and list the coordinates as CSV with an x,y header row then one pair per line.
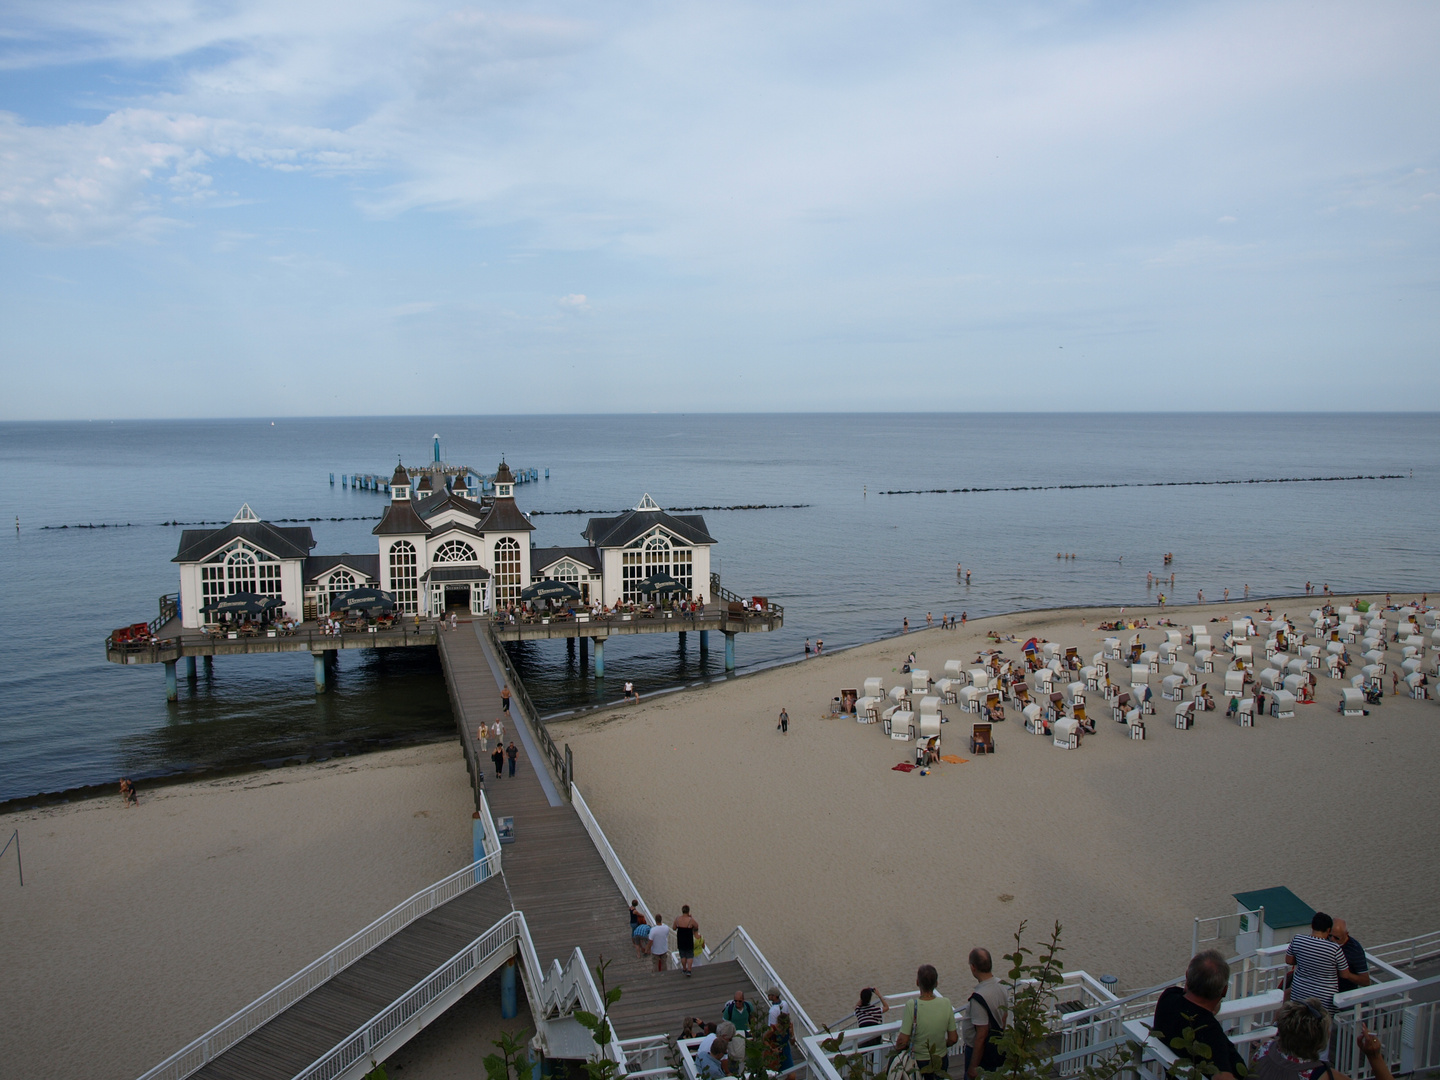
x,y
138,929
848,873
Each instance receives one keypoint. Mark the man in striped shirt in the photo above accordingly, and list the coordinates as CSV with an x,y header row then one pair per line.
x,y
1317,963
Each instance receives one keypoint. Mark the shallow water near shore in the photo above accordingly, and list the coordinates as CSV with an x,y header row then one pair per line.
x,y
847,566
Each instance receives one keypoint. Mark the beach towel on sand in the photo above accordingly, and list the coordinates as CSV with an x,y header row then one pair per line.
x,y
953,760
904,766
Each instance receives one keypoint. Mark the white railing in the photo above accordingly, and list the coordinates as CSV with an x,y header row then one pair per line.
x,y
560,991
1409,950
492,835
365,1044
269,1005
739,946
607,853
1225,928
646,1056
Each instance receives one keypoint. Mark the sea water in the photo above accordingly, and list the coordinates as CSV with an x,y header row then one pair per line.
x,y
848,563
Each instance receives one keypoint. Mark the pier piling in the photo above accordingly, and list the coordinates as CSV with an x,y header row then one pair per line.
x,y
729,650
172,692
704,642
319,672
209,666
584,653
190,668
599,657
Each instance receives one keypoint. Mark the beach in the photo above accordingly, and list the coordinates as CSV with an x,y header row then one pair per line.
x,y
138,929
848,873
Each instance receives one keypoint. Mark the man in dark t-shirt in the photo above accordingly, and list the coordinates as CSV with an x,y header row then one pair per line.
x,y
1194,1006
1359,973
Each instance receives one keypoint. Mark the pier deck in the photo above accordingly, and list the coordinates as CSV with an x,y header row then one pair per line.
x,y
659,623
174,642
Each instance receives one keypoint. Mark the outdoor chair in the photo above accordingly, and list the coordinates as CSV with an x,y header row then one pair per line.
x,y
981,741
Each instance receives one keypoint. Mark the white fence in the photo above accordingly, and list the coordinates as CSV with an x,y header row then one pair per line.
x,y
269,1005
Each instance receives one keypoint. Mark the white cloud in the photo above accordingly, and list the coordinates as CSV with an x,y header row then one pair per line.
x,y
575,302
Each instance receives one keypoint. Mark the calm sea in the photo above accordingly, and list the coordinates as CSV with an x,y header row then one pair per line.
x,y
848,566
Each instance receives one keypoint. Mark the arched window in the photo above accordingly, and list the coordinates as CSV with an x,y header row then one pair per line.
x,y
404,577
240,572
567,571
454,551
507,571
341,582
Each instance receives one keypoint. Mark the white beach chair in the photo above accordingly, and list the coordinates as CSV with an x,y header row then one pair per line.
x,y
1246,653
954,667
1172,688
1137,725
930,705
902,725
1139,676
1052,650
1205,660
929,725
1064,734
1311,655
1294,683
1091,676
899,693
1033,721
1075,694
1247,712
1185,716
1112,649
1198,631
1202,641
1151,659
947,689
1183,670
1416,681
875,687
1102,666
1174,639
969,699
1234,683
919,680
1410,665
1271,678
980,678
1295,667
1040,682
1169,654
1352,702
1282,704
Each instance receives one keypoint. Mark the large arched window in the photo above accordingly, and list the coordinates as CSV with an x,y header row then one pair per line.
x,y
341,582
404,577
567,571
454,551
507,571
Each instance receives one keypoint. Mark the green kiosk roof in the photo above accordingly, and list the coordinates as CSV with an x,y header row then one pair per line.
x,y
1283,908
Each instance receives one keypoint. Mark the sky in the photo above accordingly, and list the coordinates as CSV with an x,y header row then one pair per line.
x,y
305,207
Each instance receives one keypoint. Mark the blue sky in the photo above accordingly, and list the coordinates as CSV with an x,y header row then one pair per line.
x,y
277,208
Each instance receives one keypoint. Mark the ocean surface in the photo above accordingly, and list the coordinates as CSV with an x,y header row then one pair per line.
x,y
848,565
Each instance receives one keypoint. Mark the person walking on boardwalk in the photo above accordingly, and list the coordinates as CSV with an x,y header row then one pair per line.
x,y
512,752
685,930
499,732
505,699
483,734
498,757
783,727
659,941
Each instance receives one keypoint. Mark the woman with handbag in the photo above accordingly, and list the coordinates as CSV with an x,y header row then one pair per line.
x,y
927,1031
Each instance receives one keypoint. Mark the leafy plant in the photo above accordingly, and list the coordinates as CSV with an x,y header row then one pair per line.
x,y
601,1067
506,1064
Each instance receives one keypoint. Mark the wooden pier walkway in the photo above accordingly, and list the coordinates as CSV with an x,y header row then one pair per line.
x,y
557,877
310,1028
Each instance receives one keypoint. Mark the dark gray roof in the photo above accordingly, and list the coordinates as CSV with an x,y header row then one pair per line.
x,y
505,516
315,565
400,517
455,526
290,543
633,524
401,477
455,573
544,558
428,508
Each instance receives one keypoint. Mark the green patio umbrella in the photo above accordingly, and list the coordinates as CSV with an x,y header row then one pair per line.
x,y
550,590
658,583
366,599
243,603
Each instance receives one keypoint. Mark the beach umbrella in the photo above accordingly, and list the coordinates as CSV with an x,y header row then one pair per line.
x,y
1031,645
658,583
243,603
364,599
550,590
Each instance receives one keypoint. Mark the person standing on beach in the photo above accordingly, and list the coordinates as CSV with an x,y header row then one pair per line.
x,y
512,752
659,941
505,699
498,757
819,646
929,619
685,930
905,625
807,647
964,617
1200,596
783,727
